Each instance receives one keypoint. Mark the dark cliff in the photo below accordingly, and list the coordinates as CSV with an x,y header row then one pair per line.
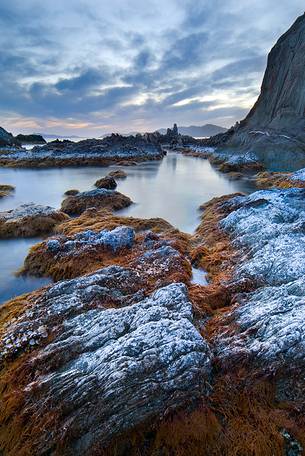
x,y
274,129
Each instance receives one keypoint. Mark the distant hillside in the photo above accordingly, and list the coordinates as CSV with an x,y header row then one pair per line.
x,y
198,131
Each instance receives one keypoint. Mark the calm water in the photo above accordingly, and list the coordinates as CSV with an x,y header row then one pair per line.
x,y
172,189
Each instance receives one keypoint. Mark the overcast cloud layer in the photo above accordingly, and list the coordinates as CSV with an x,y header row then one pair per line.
x,y
87,67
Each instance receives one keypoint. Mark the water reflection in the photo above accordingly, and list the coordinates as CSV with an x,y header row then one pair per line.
x,y
179,186
12,253
172,189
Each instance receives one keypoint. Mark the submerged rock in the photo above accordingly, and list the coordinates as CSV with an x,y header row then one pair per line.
x,y
99,198
6,190
117,174
29,220
103,371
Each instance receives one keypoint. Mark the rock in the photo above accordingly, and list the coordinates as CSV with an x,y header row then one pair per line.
x,y
7,139
29,220
158,258
106,182
280,180
6,190
99,198
102,152
265,329
230,162
274,129
71,192
117,174
30,139
103,219
100,372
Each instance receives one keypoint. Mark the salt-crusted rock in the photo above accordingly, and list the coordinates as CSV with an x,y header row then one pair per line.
x,y
119,238
106,182
29,220
270,224
271,327
156,258
267,326
99,198
101,371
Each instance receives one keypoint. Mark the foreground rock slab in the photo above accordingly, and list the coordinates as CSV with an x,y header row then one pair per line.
x,y
94,372
29,220
99,198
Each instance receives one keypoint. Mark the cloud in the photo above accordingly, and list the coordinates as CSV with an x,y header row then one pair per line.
x,y
117,65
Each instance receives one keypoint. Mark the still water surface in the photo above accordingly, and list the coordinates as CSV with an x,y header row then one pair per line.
x,y
172,189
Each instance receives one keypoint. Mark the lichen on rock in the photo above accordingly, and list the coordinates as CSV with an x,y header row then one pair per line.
x,y
98,198
120,367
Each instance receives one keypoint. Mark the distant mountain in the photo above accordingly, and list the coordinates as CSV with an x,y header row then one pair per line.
x,y
198,131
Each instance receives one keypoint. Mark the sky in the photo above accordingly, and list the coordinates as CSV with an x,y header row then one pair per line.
x,y
90,67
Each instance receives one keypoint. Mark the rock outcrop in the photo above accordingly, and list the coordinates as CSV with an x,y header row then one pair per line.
x,y
7,139
107,151
30,139
106,182
99,198
115,357
158,258
96,372
29,220
274,129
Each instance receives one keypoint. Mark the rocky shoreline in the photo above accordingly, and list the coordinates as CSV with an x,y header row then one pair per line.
x,y
123,354
124,337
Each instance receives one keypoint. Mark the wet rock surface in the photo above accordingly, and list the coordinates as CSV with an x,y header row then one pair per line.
x,y
99,198
29,220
